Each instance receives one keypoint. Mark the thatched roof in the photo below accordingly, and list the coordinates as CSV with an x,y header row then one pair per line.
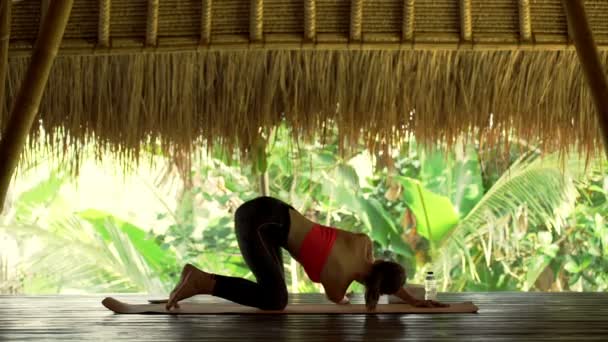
x,y
186,71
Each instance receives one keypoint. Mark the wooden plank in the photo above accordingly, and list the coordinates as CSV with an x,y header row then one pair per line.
x,y
503,316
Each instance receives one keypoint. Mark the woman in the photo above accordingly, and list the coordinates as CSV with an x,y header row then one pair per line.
x,y
335,258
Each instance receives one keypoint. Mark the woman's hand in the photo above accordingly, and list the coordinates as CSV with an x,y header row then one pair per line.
x,y
344,301
419,303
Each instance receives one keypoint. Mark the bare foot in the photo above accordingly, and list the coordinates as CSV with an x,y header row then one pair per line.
x,y
192,282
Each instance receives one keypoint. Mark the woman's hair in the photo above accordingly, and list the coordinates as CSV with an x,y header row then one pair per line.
x,y
386,277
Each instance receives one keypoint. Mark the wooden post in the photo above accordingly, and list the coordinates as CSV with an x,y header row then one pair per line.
x,y
26,104
590,61
5,33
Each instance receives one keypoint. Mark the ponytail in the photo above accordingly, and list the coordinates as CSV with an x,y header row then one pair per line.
x,y
372,289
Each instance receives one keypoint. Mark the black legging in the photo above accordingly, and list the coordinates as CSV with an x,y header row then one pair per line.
x,y
262,227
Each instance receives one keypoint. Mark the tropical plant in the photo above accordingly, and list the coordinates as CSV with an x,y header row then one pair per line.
x,y
481,221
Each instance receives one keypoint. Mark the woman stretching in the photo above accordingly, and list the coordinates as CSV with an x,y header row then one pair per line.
x,y
333,257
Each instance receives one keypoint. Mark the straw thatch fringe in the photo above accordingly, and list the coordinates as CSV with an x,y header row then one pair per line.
x,y
228,97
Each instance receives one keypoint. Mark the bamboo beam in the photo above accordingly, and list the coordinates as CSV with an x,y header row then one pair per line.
x,y
28,99
588,55
5,33
466,20
256,20
295,42
525,21
103,25
206,17
356,19
407,31
310,20
152,23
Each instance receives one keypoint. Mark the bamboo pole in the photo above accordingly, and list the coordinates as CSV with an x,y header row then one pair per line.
x,y
356,20
256,20
310,20
407,32
28,99
588,55
206,18
152,23
466,20
525,21
103,28
5,32
44,6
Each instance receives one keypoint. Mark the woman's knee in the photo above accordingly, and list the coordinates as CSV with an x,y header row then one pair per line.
x,y
247,209
275,301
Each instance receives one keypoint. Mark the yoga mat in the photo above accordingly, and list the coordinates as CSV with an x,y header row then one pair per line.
x,y
220,309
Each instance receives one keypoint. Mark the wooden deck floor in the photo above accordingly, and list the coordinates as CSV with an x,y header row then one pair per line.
x,y
502,317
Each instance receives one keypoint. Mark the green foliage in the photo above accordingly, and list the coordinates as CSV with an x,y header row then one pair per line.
x,y
455,174
520,223
161,261
435,214
512,224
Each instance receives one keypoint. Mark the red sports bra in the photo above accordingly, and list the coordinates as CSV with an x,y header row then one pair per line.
x,y
315,250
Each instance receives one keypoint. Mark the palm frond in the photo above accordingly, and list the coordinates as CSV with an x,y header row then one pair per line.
x,y
533,192
538,184
74,254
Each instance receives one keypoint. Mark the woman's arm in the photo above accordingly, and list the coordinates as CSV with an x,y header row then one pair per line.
x,y
409,299
406,296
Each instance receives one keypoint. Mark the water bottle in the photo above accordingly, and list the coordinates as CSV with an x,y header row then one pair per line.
x,y
430,287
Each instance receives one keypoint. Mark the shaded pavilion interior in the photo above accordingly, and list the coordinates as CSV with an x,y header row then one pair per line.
x,y
123,73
